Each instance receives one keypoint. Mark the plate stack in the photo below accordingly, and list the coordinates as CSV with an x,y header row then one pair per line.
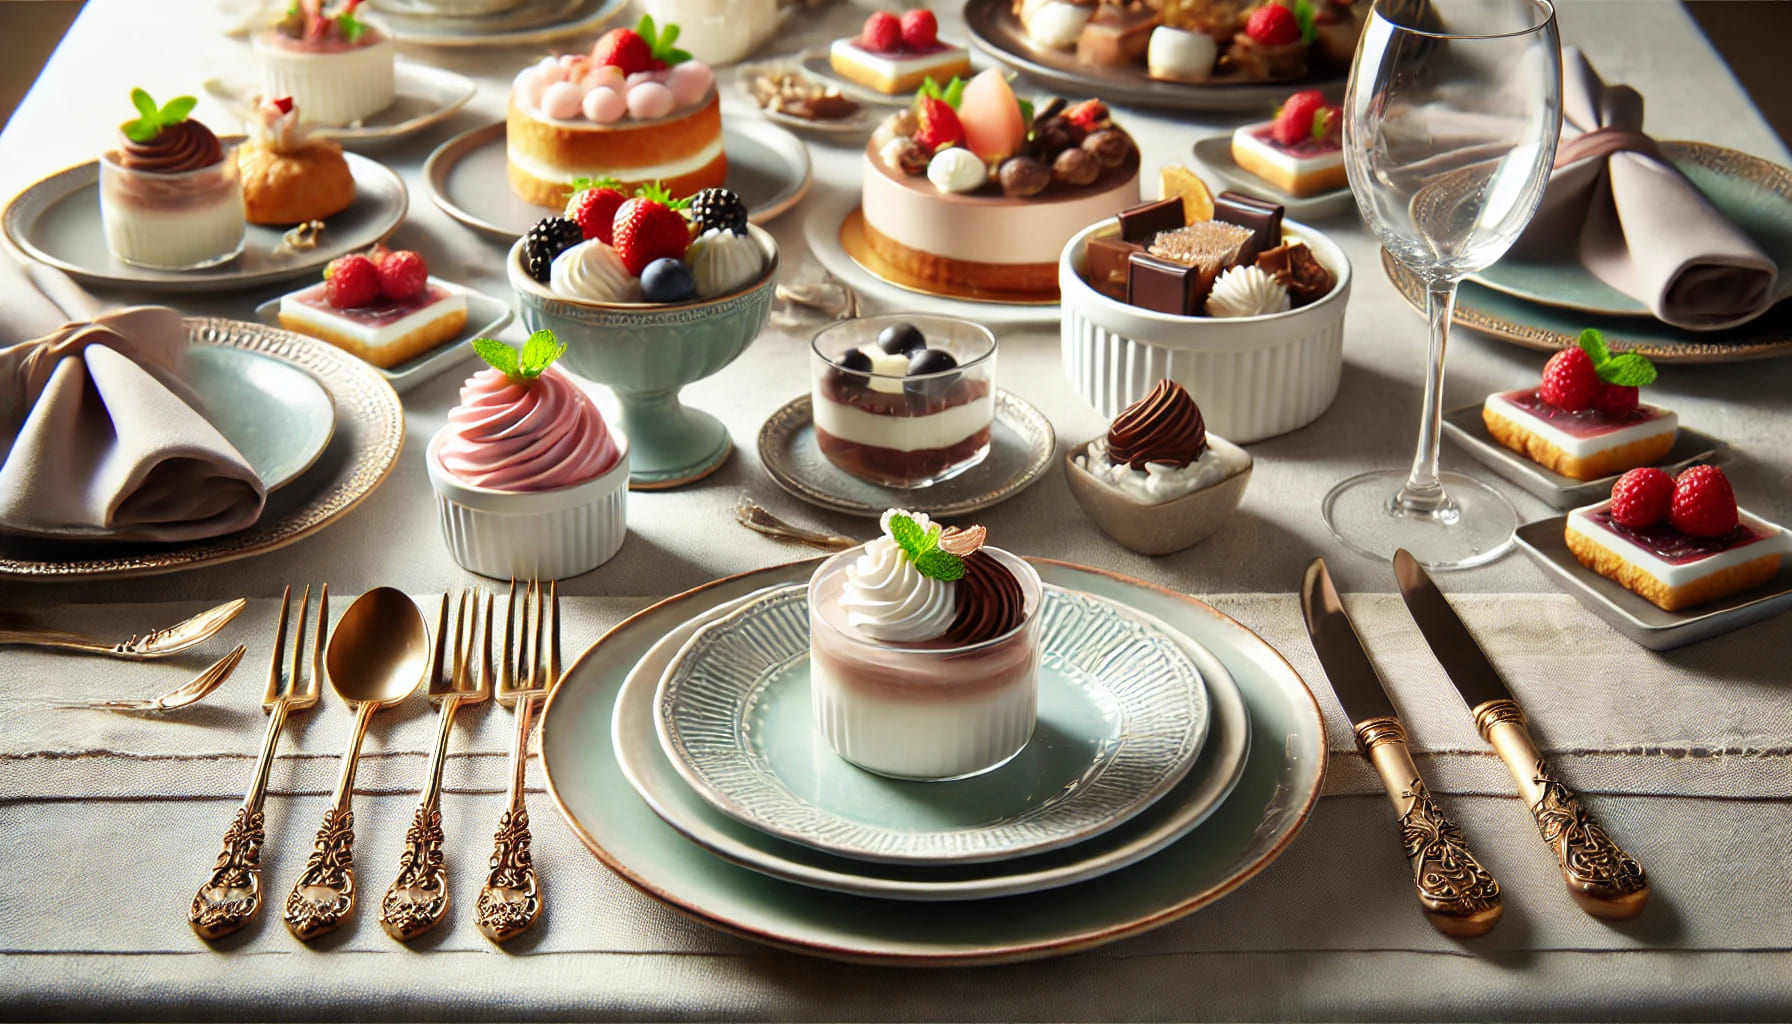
x,y
1175,755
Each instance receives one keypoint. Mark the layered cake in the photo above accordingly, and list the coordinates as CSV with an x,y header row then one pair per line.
x,y
972,187
1584,420
1301,151
1677,542
924,651
901,408
1199,40
634,110
383,308
288,176
895,55
336,68
170,196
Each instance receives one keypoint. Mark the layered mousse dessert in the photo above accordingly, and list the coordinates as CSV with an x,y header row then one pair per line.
x,y
336,68
1301,151
924,651
290,177
903,401
1584,420
383,307
1198,40
634,110
894,54
1158,449
973,187
170,196
1678,542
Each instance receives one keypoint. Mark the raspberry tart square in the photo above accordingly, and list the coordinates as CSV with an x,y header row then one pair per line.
x,y
1584,420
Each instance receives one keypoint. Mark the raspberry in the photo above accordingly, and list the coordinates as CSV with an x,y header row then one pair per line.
x,y
403,274
1641,498
1569,380
1294,124
920,30
1615,399
1272,25
1704,505
351,282
882,33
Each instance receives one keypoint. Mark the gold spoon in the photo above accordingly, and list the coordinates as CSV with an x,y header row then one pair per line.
x,y
376,657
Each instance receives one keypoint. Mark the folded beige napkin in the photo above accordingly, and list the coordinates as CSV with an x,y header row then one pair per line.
x,y
1636,222
98,432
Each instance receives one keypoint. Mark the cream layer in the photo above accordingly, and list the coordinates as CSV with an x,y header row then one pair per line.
x,y
174,238
1671,574
1246,138
1582,447
546,170
895,65
367,334
905,433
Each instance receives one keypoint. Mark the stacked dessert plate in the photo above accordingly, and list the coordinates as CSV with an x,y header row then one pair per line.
x,y
1175,755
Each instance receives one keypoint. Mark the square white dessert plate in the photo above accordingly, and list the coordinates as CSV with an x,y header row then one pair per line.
x,y
1638,618
1465,427
486,316
423,95
1122,714
1216,153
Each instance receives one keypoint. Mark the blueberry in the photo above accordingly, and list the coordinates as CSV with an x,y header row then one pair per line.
x,y
930,360
904,338
853,359
667,280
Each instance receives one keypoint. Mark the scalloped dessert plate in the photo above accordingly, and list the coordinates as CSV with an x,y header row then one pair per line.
x,y
1122,714
424,96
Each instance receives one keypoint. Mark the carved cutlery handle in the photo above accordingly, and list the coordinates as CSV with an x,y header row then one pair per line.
x,y
231,896
418,898
324,896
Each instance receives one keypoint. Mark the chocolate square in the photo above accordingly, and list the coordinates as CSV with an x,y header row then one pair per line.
x,y
1141,224
1108,265
1166,287
1116,36
1263,217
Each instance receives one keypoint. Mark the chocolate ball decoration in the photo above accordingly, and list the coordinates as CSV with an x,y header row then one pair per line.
x,y
1076,167
1023,176
853,359
1110,145
931,360
667,280
906,339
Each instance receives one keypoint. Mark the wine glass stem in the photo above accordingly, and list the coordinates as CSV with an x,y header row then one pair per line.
x,y
1422,492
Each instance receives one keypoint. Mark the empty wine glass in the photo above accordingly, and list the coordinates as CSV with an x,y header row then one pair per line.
x,y
1450,125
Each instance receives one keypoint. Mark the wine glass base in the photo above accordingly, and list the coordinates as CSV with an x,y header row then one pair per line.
x,y
1473,526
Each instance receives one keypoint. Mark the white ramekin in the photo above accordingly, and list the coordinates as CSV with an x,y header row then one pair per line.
x,y
533,535
1253,377
333,87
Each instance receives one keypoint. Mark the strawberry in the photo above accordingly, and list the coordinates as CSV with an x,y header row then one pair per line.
x,y
1088,115
283,104
351,281
1641,498
594,207
647,228
625,49
1272,25
403,274
1294,122
920,30
1615,399
1704,505
937,125
882,33
1569,380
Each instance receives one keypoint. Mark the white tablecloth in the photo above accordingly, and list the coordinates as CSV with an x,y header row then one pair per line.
x,y
109,822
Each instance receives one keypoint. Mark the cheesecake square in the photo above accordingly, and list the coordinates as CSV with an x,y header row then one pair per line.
x,y
385,334
1585,445
899,72
1306,168
1672,569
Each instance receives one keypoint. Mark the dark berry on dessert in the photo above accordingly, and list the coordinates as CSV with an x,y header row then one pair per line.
x,y
550,237
1642,498
719,208
855,360
351,282
1569,380
906,339
667,280
931,360
1704,505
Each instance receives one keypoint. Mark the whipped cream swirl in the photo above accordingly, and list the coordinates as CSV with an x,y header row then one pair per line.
x,y
886,598
1247,291
279,130
592,271
538,435
722,261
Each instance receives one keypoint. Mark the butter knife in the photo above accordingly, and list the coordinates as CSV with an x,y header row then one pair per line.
x,y
1456,893
1602,878
156,644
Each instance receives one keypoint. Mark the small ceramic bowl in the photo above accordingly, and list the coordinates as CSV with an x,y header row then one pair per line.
x,y
645,352
1167,526
512,535
1253,376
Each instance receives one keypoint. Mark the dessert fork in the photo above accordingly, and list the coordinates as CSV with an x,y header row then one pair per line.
x,y
418,898
510,900
190,692
154,644
231,896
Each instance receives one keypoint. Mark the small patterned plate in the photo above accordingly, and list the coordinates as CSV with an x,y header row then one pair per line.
x,y
1122,713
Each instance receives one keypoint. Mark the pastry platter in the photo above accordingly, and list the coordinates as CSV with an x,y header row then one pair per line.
x,y
425,96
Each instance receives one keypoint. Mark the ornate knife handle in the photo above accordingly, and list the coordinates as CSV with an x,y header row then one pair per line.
x,y
1456,893
1602,878
231,896
324,895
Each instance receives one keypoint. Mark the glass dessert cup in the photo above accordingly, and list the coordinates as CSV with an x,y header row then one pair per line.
x,y
905,431
184,221
930,711
646,352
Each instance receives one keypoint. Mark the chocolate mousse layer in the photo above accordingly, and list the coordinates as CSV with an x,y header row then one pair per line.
x,y
894,466
990,602
899,468
176,149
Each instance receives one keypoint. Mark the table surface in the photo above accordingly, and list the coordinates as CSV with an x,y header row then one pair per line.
x,y
1685,754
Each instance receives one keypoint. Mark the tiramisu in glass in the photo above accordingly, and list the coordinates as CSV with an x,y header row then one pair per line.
x,y
170,197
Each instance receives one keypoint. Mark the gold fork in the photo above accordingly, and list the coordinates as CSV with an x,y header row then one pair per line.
x,y
231,897
510,900
418,898
190,692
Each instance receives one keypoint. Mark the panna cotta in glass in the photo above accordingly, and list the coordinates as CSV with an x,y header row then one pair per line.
x,y
924,651
170,197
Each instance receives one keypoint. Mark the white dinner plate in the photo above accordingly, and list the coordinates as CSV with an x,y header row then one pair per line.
x,y
423,96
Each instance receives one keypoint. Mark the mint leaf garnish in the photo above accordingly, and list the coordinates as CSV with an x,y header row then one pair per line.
x,y
498,356
1627,370
351,27
922,548
539,353
1593,344
1303,16
152,119
908,536
145,106
940,565
176,110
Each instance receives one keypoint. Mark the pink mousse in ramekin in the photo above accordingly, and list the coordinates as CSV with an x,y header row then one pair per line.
x,y
530,481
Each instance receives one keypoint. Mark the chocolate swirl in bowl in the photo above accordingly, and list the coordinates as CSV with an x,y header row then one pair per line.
x,y
990,602
1164,426
176,149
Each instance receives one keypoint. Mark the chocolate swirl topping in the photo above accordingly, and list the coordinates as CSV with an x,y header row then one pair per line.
x,y
178,148
989,601
1164,426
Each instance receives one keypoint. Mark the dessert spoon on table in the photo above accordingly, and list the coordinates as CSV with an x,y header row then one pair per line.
x,y
376,657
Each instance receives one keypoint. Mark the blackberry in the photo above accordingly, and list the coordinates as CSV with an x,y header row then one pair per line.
x,y
718,208
546,240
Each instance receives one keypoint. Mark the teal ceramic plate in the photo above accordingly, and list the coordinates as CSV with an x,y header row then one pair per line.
x,y
1122,712
1216,771
1755,194
1273,798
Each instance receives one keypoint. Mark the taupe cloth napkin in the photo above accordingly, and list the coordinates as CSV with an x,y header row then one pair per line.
x,y
98,431
1635,221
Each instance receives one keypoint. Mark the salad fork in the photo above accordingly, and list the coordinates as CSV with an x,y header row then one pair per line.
x,y
231,896
510,900
190,692
154,644
418,898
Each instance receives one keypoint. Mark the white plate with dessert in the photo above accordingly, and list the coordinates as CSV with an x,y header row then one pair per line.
x,y
521,24
1466,427
796,99
423,96
735,719
1216,154
889,58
